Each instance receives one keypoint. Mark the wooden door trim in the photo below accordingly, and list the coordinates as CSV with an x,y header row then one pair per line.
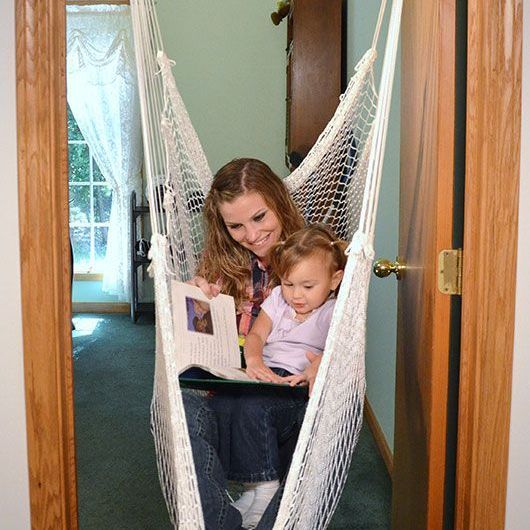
x,y
45,261
490,250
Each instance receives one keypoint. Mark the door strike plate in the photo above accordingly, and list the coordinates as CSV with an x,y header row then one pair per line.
x,y
450,271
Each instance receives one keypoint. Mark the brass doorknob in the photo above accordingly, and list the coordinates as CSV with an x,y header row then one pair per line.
x,y
385,267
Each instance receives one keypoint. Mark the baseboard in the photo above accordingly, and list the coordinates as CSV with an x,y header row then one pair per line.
x,y
379,436
100,307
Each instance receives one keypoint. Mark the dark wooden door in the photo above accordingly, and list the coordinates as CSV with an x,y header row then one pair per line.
x,y
314,72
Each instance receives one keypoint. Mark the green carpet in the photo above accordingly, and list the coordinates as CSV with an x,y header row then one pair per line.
x,y
117,478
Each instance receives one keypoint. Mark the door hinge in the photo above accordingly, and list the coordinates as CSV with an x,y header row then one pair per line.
x,y
450,271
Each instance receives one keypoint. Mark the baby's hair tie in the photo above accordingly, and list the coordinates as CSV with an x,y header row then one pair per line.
x,y
336,244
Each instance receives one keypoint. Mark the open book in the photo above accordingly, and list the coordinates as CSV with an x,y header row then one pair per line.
x,y
206,338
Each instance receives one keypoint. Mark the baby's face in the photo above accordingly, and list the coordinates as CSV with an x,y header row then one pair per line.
x,y
309,283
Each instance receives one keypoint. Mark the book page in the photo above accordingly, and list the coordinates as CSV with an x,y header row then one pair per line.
x,y
205,329
238,374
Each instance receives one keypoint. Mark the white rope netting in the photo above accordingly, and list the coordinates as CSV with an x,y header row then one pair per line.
x,y
338,184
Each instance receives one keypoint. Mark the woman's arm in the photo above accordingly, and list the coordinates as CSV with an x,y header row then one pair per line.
x,y
254,343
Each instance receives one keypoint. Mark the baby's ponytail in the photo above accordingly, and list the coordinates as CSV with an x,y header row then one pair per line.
x,y
339,247
313,239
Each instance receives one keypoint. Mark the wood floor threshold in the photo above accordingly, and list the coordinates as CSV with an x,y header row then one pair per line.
x,y
380,440
100,307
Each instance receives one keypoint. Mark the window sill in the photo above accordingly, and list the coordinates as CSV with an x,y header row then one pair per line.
x,y
88,277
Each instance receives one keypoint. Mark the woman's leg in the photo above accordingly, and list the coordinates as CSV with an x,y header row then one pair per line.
x,y
218,513
259,425
222,404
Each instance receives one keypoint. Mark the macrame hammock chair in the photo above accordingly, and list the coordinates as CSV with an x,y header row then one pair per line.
x,y
338,184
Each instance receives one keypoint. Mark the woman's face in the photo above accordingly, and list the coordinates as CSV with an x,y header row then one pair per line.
x,y
251,223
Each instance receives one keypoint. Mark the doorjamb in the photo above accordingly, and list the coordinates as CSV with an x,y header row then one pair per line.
x,y
490,243
45,261
493,127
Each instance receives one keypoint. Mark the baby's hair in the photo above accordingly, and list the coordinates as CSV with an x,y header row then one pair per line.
x,y
311,240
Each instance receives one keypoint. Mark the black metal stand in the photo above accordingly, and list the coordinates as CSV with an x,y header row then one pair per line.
x,y
137,307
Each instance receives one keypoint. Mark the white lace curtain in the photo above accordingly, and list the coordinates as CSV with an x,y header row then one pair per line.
x,y
103,97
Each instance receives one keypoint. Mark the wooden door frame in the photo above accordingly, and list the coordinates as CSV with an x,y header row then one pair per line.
x,y
493,130
45,261
490,243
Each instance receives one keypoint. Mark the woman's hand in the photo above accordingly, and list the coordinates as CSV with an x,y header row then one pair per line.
x,y
257,369
308,376
211,290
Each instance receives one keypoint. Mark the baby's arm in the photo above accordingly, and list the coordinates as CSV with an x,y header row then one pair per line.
x,y
308,376
254,343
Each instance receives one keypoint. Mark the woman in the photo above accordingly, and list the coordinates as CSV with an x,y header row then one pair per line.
x,y
247,211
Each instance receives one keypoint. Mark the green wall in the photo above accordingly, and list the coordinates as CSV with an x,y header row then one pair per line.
x,y
382,305
230,70
90,291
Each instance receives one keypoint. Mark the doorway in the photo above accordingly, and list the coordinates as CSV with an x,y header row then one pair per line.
x,y
48,374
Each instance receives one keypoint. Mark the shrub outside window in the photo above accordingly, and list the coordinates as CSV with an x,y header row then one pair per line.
x,y
90,203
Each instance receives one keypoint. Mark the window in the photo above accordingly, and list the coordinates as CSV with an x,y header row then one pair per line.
x,y
90,202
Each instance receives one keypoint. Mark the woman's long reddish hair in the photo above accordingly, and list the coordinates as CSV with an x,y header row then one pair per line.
x,y
223,258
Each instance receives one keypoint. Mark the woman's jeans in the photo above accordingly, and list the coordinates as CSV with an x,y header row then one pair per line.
x,y
204,426
252,426
218,513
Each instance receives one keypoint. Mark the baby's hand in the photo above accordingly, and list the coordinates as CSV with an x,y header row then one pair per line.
x,y
257,369
308,376
296,380
211,290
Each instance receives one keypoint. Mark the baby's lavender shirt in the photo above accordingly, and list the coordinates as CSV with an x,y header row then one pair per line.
x,y
289,340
